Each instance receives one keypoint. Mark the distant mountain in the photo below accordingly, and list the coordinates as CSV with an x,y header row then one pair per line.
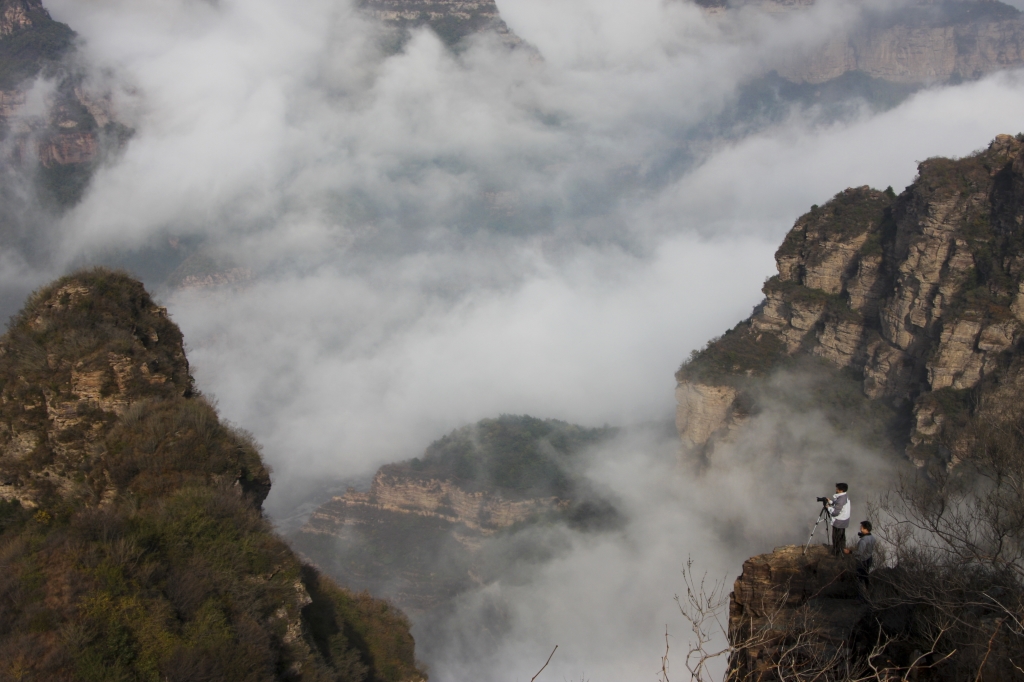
x,y
53,156
432,527
130,517
452,20
885,56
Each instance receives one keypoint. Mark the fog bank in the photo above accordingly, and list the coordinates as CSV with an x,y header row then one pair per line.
x,y
417,240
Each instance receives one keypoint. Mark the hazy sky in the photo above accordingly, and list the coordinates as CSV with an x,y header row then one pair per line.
x,y
436,238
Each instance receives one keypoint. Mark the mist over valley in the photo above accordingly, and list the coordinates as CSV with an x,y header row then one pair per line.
x,y
479,277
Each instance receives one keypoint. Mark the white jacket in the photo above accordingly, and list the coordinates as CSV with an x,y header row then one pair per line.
x,y
840,510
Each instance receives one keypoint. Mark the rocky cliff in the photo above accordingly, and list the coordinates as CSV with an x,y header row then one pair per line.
x,y
914,44
452,20
433,527
132,540
61,147
919,298
804,616
793,612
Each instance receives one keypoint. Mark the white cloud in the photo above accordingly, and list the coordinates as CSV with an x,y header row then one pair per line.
x,y
437,238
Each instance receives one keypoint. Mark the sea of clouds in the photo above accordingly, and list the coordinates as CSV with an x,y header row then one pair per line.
x,y
431,237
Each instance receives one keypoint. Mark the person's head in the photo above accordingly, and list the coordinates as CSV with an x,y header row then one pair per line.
x,y
865,527
842,487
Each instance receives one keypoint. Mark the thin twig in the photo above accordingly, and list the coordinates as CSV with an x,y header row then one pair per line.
x,y
545,664
988,651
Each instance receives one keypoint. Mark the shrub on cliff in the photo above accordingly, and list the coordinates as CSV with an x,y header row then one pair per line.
x,y
511,455
132,545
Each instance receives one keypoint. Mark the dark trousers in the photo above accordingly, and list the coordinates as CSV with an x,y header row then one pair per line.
x,y
838,540
863,570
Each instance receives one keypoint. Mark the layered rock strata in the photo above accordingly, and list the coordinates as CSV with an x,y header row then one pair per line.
x,y
453,20
477,512
919,298
418,541
70,136
790,609
919,43
435,526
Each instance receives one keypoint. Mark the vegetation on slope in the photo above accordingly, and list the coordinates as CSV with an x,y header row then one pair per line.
x,y
31,50
511,455
132,546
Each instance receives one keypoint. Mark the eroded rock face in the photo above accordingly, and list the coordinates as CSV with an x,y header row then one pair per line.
x,y
913,294
15,15
477,511
915,44
453,20
77,362
78,122
786,594
416,540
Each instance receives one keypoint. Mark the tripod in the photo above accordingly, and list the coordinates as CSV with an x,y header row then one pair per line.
x,y
823,515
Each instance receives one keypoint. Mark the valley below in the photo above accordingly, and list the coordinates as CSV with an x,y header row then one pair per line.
x,y
396,340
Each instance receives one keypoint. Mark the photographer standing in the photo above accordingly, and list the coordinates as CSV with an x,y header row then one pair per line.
x,y
839,509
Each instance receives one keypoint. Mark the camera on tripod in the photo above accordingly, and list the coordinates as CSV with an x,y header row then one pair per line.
x,y
823,515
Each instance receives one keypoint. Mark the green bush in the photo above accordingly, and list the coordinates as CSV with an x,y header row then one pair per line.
x,y
146,556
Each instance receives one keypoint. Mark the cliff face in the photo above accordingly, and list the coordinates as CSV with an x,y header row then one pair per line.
x,y
452,20
433,527
791,611
926,43
919,298
133,542
62,147
920,43
479,511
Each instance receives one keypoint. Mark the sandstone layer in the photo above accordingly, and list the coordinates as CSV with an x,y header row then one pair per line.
x,y
916,44
790,609
70,136
452,20
434,526
479,511
919,298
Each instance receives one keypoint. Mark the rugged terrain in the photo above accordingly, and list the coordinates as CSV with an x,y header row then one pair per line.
x,y
903,314
918,298
60,148
881,57
452,20
433,527
132,544
791,607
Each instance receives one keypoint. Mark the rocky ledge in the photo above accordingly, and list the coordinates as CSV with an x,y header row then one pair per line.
x,y
791,607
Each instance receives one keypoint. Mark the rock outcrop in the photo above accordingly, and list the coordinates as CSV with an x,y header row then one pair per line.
x,y
477,511
917,297
130,517
452,20
433,527
791,610
62,146
916,44
59,401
